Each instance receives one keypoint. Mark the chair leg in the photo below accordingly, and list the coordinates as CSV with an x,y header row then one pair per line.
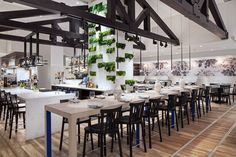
x,y
181,117
149,132
0,112
11,124
91,136
101,145
162,118
199,108
78,125
84,149
130,140
187,113
153,123
143,134
121,130
168,121
105,147
16,127
203,108
176,119
6,120
159,127
128,133
119,141
24,120
112,142
62,134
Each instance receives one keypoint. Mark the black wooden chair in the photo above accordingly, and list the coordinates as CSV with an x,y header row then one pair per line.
x,y
200,103
183,105
226,93
169,108
3,104
79,122
151,112
233,93
108,124
193,104
135,117
14,111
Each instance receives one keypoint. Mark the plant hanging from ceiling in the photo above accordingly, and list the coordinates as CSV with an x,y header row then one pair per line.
x,y
120,73
92,33
110,31
92,73
120,59
93,40
129,82
110,66
101,65
92,49
108,42
93,58
120,45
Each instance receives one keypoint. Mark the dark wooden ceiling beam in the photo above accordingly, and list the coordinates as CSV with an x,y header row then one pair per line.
x,y
187,10
41,41
35,28
60,8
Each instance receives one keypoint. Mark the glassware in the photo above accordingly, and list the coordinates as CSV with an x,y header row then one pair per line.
x,y
92,94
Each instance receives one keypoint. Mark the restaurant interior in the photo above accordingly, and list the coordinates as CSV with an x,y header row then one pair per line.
x,y
142,78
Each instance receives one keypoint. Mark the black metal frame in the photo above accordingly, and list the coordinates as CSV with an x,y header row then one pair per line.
x,y
128,22
198,11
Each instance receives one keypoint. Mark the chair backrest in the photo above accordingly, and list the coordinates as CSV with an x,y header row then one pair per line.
x,y
172,101
2,96
14,101
200,92
207,91
136,111
153,106
225,88
234,88
109,119
183,99
8,99
194,94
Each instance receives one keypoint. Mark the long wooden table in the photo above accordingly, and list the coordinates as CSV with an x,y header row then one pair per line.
x,y
73,111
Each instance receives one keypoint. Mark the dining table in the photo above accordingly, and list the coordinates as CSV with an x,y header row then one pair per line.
x,y
81,109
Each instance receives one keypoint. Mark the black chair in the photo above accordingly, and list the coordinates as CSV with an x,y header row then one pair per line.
x,y
151,112
170,107
226,93
233,93
134,118
206,98
200,101
79,122
183,105
193,103
107,124
14,110
3,104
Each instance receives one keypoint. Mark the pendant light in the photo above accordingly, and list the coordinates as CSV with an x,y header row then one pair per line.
x,y
38,59
158,54
181,45
189,47
140,58
117,50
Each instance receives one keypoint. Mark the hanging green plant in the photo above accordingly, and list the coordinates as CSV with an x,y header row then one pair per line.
x,y
92,49
97,8
120,45
110,50
106,42
92,73
129,56
91,25
111,78
92,33
93,40
120,73
108,32
99,56
129,82
101,65
120,59
110,66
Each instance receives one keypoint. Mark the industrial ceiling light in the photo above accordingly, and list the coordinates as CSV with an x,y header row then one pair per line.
x,y
154,42
128,37
161,44
98,28
166,45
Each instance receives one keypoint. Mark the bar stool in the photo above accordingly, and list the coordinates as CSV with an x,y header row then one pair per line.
x,y
170,107
108,124
79,122
152,111
135,117
183,104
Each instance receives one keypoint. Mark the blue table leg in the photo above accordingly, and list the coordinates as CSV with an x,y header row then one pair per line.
x,y
172,119
207,104
137,135
48,135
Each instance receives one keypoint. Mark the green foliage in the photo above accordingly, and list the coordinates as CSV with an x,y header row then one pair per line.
x,y
120,45
111,78
101,65
108,32
97,8
110,50
120,73
93,40
93,58
91,25
23,85
129,82
92,73
92,33
110,66
129,56
106,42
92,49
120,59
